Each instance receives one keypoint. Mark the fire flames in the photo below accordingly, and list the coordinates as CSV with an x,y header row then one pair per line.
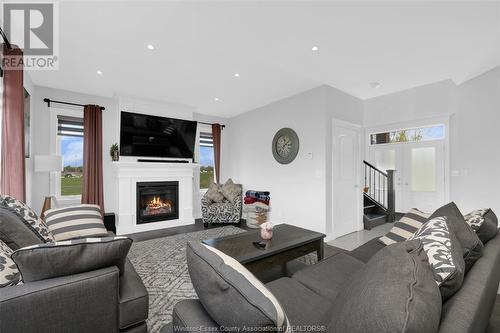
x,y
158,206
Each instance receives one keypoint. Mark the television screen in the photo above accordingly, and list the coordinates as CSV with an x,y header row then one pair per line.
x,y
152,136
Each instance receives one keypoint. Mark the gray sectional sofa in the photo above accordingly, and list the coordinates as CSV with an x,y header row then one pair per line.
x,y
309,295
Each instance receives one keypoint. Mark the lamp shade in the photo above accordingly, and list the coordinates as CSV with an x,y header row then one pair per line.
x,y
48,163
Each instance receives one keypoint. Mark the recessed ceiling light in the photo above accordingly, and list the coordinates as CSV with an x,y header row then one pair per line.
x,y
236,74
315,48
99,72
375,85
216,99
150,47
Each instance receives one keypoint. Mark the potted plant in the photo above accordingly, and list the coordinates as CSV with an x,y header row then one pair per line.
x,y
113,151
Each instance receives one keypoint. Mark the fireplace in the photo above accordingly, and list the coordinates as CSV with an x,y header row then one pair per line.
x,y
157,201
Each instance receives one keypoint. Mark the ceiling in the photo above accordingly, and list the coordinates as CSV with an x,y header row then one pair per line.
x,y
199,46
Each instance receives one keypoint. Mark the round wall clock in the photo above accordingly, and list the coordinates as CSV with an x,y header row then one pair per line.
x,y
285,145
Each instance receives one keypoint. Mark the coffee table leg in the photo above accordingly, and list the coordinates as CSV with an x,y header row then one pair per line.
x,y
320,252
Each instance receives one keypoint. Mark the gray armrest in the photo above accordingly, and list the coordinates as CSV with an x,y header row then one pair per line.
x,y
86,302
190,316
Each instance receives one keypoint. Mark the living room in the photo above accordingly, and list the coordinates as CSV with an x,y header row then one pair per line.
x,y
310,145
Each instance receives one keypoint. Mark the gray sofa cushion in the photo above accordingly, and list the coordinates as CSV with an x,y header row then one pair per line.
x,y
190,316
328,276
444,253
394,292
302,306
134,301
224,285
14,232
48,260
367,250
471,245
484,222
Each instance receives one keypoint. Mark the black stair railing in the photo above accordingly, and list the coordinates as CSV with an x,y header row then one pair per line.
x,y
379,187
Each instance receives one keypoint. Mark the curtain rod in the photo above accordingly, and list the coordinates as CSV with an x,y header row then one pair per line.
x,y
48,101
204,123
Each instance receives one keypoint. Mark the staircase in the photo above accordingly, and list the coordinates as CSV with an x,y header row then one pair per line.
x,y
378,196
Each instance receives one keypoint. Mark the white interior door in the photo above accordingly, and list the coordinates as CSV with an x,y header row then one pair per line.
x,y
346,178
419,179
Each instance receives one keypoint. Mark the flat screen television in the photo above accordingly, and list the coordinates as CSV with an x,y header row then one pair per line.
x,y
151,136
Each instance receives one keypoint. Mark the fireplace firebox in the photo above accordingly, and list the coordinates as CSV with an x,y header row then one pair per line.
x,y
157,201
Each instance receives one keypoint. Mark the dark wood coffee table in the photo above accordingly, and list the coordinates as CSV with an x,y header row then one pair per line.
x,y
288,243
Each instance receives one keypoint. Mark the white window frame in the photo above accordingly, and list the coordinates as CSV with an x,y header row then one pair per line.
x,y
205,129
55,149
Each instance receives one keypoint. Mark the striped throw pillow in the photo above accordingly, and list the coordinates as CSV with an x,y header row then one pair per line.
x,y
406,227
75,222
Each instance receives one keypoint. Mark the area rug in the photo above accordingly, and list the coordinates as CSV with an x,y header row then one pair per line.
x,y
161,263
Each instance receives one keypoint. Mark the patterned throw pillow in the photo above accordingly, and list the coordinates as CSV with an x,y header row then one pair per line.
x,y
405,228
214,193
49,260
75,222
9,274
444,253
475,219
231,191
484,222
29,217
223,284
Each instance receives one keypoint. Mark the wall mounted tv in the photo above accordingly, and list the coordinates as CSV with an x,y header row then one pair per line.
x,y
151,136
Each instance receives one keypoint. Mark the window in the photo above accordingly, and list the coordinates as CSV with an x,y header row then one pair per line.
x,y
429,133
70,145
206,159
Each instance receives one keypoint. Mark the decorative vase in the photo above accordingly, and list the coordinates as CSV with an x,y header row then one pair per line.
x,y
115,156
266,230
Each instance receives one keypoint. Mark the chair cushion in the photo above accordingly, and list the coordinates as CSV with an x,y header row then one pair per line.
x,y
444,253
134,300
14,232
471,245
214,193
484,222
367,250
28,217
9,274
406,227
394,292
327,277
231,191
302,306
48,260
75,222
224,285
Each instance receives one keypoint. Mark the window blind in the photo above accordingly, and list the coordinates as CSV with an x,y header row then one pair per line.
x,y
206,140
69,126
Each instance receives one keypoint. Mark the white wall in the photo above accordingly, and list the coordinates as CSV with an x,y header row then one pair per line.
x,y
299,190
474,110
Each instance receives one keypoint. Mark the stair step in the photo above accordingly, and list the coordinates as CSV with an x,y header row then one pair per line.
x,y
375,216
369,206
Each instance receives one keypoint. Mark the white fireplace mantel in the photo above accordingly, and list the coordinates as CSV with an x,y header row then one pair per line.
x,y
128,174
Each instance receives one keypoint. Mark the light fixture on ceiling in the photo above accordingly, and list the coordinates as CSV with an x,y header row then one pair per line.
x,y
99,72
375,85
216,99
314,48
236,74
150,47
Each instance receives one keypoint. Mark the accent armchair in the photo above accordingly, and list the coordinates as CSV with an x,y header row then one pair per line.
x,y
221,212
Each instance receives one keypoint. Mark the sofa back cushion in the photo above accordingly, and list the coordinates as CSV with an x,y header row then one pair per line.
x,y
394,292
9,274
471,245
405,228
14,232
484,222
29,217
230,293
75,222
49,260
444,253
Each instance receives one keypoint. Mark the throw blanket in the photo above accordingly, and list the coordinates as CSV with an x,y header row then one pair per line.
x,y
256,194
251,200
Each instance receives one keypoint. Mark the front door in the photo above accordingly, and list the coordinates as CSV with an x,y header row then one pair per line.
x,y
346,175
